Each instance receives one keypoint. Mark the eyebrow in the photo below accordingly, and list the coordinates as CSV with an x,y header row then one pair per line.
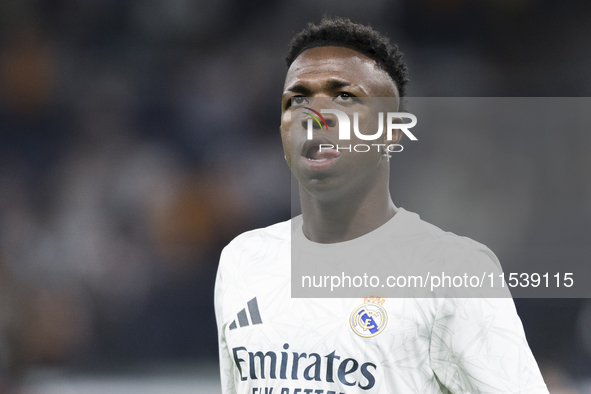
x,y
331,84
298,88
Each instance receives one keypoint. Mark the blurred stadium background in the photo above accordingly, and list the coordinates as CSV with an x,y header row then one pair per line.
x,y
137,138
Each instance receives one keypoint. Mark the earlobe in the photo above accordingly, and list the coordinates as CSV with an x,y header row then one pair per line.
x,y
396,137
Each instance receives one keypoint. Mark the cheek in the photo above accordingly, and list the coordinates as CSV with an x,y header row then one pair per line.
x,y
286,120
368,151
285,130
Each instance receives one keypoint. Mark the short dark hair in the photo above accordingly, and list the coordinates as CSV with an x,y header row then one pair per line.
x,y
344,33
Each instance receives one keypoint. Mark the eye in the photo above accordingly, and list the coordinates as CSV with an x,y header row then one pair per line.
x,y
298,100
345,97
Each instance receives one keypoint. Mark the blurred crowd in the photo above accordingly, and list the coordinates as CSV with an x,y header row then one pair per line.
x,y
118,180
138,137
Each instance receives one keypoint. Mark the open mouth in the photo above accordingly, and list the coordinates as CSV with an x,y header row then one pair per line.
x,y
321,153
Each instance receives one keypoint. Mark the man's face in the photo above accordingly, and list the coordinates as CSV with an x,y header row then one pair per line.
x,y
332,78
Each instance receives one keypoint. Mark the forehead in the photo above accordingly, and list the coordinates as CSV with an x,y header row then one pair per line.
x,y
320,64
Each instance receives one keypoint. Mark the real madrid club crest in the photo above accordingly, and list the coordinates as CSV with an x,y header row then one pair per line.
x,y
369,319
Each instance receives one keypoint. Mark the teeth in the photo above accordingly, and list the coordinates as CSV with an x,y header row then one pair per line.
x,y
318,159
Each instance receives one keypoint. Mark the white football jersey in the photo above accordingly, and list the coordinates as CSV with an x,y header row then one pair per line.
x,y
273,344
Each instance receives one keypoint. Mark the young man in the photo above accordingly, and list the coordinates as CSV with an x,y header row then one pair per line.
x,y
272,343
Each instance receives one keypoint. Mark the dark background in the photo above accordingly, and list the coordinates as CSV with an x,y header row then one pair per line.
x,y
137,138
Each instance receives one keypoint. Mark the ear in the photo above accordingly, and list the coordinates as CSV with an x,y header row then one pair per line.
x,y
396,133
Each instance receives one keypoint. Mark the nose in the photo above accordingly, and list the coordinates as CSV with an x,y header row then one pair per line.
x,y
318,120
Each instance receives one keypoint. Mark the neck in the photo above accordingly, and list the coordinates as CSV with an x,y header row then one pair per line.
x,y
351,216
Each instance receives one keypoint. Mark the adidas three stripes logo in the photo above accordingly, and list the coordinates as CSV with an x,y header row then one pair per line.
x,y
253,311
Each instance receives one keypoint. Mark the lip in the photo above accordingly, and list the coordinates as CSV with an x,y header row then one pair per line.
x,y
317,165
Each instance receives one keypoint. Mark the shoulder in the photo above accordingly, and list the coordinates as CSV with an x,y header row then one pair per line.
x,y
430,240
256,243
251,258
278,232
